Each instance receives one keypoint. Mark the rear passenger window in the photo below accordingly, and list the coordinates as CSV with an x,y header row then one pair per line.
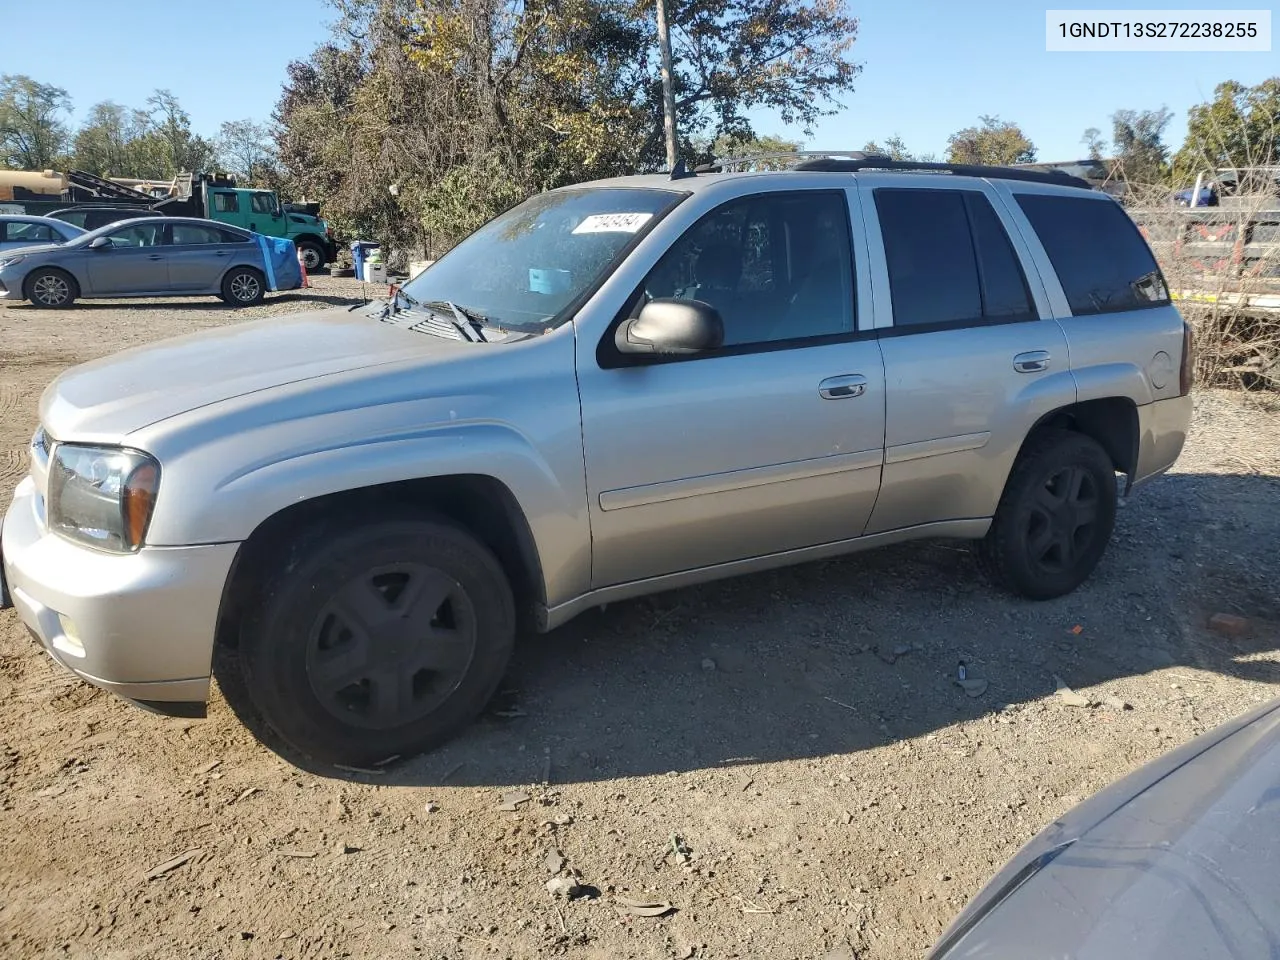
x,y
950,261
1096,250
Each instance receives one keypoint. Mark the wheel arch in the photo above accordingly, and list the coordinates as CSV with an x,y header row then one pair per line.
x,y
481,504
77,288
1110,421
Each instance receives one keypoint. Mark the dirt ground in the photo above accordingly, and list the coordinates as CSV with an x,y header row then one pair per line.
x,y
753,752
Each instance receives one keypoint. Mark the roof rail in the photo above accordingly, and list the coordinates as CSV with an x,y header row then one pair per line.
x,y
850,161
733,164
871,162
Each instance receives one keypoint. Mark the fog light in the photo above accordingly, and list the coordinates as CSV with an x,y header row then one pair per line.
x,y
70,632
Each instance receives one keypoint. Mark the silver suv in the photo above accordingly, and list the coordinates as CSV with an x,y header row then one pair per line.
x,y
612,389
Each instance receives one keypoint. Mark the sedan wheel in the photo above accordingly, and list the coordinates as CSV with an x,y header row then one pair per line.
x,y
50,288
243,287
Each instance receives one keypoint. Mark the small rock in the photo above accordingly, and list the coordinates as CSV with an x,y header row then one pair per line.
x,y
1116,704
554,860
1069,696
943,877
563,819
565,887
432,807
511,800
901,650
973,686
841,953
344,847
246,935
1229,624
708,664
288,935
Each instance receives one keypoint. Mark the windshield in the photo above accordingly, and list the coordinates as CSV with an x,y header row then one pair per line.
x,y
525,267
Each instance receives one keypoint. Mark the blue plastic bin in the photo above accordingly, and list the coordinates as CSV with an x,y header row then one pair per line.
x,y
359,250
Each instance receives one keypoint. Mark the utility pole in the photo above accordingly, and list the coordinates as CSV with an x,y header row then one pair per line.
x,y
668,93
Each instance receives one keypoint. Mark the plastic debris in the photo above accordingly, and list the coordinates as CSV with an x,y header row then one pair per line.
x,y
642,908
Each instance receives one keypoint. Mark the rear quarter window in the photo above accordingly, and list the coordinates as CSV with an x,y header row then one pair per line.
x,y
1100,258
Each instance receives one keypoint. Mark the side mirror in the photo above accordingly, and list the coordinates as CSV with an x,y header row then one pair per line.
x,y
98,243
669,327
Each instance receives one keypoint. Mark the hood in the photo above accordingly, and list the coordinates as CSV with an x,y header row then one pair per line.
x,y
8,252
105,399
1179,859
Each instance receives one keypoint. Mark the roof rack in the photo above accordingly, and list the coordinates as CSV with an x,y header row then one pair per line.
x,y
855,160
738,164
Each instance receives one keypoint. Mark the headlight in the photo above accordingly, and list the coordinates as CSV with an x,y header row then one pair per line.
x,y
102,496
6,261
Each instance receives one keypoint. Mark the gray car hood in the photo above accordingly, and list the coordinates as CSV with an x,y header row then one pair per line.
x,y
106,399
29,251
1179,859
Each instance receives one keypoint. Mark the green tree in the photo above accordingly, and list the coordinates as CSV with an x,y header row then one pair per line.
x,y
246,149
465,107
106,143
1140,153
1239,127
727,146
995,141
33,131
1092,139
171,141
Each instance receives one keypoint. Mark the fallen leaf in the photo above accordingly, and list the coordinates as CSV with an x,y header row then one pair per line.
x,y
1077,629
174,864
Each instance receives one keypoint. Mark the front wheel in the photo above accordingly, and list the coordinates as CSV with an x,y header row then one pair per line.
x,y
382,639
50,288
1055,518
243,287
312,255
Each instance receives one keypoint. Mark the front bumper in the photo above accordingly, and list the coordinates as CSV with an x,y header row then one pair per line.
x,y
139,625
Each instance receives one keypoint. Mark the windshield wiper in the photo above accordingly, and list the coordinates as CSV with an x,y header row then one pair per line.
x,y
462,315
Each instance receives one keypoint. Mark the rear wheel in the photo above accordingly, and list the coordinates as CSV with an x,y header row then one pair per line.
x,y
1055,518
51,288
243,287
382,639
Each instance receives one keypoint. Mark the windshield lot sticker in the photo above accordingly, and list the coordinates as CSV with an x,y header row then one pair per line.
x,y
613,223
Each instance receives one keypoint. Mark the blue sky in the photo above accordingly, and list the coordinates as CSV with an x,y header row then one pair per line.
x,y
930,68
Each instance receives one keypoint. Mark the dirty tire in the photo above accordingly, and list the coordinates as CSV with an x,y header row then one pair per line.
x,y
378,638
312,255
243,287
50,288
1055,517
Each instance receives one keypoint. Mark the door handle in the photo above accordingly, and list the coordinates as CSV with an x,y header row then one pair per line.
x,y
842,388
222,253
1033,361
155,256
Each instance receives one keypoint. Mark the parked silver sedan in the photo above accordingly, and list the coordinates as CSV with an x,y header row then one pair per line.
x,y
24,230
144,257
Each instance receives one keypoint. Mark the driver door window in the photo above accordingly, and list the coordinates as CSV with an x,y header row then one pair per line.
x,y
777,267
140,235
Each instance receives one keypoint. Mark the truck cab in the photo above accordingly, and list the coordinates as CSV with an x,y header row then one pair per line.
x,y
262,212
